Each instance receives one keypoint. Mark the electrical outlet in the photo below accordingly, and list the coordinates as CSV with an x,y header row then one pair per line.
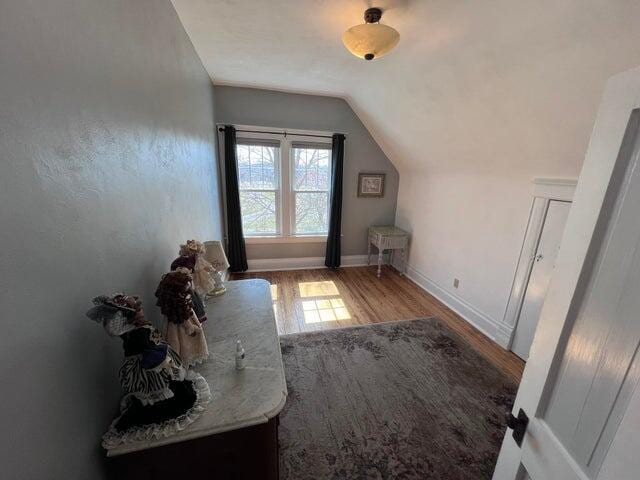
x,y
456,282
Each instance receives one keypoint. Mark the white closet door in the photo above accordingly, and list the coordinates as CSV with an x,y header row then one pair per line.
x,y
544,261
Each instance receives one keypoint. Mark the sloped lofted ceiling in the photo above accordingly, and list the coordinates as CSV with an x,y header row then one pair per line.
x,y
459,63
478,98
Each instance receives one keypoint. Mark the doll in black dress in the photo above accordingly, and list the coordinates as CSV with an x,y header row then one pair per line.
x,y
161,396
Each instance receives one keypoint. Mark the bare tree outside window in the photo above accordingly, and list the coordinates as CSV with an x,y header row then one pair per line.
x,y
311,168
258,182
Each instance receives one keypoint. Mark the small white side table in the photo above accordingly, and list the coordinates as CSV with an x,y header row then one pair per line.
x,y
388,238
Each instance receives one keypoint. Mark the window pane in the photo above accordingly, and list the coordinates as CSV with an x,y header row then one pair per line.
x,y
311,169
312,212
258,213
257,166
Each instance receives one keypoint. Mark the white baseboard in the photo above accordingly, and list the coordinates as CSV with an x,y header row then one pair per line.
x,y
503,335
301,263
475,317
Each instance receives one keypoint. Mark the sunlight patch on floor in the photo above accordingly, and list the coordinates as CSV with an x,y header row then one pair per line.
x,y
324,310
317,289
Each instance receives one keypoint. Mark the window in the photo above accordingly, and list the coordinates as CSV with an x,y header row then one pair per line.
x,y
258,181
310,187
284,184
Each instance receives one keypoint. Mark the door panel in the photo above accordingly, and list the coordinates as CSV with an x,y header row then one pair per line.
x,y
545,457
601,351
544,261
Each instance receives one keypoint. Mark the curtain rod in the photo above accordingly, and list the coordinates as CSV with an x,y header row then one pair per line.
x,y
285,133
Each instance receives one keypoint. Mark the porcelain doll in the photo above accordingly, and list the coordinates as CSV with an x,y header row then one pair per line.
x,y
192,257
161,396
184,330
187,259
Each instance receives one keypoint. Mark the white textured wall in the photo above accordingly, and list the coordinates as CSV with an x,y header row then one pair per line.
x,y
468,227
107,162
510,94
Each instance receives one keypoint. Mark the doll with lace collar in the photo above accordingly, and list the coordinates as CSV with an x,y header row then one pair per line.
x,y
161,396
192,257
184,330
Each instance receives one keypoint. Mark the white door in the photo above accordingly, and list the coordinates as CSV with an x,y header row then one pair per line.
x,y
584,365
543,263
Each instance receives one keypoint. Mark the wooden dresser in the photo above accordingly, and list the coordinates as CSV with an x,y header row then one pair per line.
x,y
236,437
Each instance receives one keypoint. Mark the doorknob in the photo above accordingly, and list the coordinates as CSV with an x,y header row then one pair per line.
x,y
518,425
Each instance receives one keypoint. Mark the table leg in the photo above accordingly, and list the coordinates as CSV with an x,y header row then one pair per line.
x,y
380,253
403,257
368,253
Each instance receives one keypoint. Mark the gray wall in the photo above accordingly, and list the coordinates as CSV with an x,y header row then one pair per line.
x,y
267,108
107,162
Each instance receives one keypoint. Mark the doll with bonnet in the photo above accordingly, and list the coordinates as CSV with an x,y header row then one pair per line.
x,y
184,331
161,396
187,259
192,257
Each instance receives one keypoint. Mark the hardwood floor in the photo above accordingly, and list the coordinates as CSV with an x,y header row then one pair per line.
x,y
309,300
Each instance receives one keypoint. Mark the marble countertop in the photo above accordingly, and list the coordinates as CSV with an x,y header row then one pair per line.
x,y
239,398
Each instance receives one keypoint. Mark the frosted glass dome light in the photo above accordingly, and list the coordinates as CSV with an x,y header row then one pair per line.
x,y
371,39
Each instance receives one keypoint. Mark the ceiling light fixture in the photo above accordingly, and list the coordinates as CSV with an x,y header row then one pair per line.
x,y
371,39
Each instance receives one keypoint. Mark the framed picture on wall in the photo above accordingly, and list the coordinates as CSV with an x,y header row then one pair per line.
x,y
371,184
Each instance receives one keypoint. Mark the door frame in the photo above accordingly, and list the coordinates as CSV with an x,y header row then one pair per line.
x,y
608,148
544,191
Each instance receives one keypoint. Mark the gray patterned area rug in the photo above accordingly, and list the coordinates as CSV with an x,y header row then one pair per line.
x,y
396,400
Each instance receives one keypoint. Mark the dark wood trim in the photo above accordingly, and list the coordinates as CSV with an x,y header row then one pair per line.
x,y
246,454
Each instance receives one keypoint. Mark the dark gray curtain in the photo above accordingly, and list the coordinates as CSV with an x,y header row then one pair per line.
x,y
332,256
235,248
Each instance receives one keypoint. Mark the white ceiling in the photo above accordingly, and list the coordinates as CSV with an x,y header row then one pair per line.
x,y
288,45
472,84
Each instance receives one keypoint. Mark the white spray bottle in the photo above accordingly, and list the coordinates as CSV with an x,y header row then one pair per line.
x,y
241,361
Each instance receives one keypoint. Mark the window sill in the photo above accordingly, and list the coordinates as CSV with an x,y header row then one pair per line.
x,y
289,239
